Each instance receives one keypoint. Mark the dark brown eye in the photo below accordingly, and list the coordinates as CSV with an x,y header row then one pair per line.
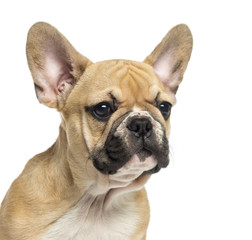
x,y
165,109
102,111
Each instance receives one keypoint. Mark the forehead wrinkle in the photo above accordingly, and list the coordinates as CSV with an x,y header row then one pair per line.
x,y
134,80
135,84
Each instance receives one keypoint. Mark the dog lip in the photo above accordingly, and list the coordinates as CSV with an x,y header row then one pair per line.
x,y
153,170
143,154
103,167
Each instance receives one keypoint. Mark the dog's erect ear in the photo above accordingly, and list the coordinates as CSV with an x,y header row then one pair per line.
x,y
170,58
54,63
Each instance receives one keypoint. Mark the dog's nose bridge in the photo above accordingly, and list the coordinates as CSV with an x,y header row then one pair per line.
x,y
139,114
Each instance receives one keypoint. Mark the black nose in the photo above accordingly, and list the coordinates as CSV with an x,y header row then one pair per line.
x,y
141,127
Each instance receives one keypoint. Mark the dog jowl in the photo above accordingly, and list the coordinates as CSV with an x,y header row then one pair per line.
x,y
113,136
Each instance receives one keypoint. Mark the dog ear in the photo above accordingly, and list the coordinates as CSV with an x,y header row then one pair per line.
x,y
54,63
170,58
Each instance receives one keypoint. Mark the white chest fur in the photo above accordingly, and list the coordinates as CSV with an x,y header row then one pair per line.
x,y
109,213
88,220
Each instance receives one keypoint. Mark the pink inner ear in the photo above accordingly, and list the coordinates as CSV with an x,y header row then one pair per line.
x,y
163,67
53,78
57,72
66,79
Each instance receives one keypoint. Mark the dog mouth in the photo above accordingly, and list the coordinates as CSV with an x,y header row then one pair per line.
x,y
143,154
140,137
116,154
132,170
147,161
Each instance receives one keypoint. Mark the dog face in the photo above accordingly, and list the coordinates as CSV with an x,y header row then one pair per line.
x,y
125,112
115,113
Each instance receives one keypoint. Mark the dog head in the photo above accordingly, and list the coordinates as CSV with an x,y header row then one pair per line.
x,y
114,113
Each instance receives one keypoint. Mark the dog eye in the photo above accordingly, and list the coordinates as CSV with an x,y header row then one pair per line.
x,y
165,109
102,111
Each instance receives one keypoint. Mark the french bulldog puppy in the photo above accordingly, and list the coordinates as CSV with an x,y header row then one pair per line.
x,y
89,185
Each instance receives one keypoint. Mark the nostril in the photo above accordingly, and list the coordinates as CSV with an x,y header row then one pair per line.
x,y
141,127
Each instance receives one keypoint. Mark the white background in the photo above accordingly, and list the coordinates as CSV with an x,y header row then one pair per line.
x,y
206,192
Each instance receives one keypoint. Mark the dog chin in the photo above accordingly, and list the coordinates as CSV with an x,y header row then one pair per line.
x,y
132,170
